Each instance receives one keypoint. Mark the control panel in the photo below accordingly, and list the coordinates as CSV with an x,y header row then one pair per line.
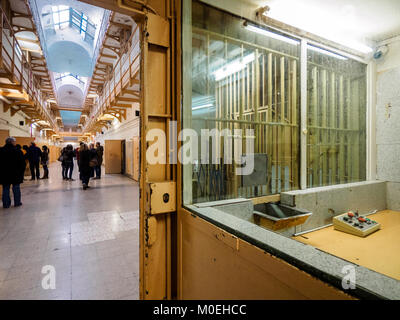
x,y
353,223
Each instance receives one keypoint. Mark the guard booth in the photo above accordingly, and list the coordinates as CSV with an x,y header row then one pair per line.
x,y
201,234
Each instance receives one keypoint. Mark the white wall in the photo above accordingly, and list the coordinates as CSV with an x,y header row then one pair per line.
x,y
392,59
12,124
125,130
388,122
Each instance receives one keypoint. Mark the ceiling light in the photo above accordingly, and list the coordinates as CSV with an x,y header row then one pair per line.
x,y
233,67
208,105
358,46
326,52
270,34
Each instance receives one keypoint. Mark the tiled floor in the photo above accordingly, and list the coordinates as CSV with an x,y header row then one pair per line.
x,y
90,237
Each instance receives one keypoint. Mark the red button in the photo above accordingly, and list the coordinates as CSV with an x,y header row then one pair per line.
x,y
361,219
350,214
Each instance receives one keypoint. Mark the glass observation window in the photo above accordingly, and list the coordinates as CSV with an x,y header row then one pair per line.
x,y
336,118
242,77
239,75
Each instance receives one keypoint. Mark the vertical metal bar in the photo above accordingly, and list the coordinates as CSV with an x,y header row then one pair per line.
x,y
294,129
275,137
323,146
355,135
282,127
333,131
371,122
341,163
256,95
348,135
269,119
303,114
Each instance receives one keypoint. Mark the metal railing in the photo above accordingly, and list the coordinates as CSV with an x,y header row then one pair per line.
x,y
124,70
15,62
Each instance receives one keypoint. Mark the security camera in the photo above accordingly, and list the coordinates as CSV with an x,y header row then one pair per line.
x,y
380,52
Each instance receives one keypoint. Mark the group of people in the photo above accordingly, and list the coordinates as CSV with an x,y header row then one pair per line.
x,y
89,161
35,156
13,161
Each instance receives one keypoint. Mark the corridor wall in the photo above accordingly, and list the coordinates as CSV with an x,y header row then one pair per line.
x,y
387,121
12,123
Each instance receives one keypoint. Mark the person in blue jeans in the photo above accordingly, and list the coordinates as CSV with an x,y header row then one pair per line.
x,y
12,167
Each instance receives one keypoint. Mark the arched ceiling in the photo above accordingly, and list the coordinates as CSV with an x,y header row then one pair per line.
x,y
70,95
70,30
68,56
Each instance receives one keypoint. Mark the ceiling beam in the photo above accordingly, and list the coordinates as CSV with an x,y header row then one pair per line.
x,y
121,25
28,40
110,56
11,86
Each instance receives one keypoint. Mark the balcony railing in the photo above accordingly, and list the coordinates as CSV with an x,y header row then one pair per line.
x,y
14,62
124,70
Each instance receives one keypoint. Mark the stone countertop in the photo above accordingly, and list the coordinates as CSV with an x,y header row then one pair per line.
x,y
369,284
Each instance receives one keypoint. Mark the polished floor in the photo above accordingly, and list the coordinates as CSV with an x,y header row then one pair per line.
x,y
88,239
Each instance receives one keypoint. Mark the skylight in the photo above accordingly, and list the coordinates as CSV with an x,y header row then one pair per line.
x,y
60,16
60,76
64,16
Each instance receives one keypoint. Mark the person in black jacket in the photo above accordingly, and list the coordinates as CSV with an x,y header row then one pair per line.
x,y
69,162
100,151
93,159
44,160
12,166
23,155
84,167
34,154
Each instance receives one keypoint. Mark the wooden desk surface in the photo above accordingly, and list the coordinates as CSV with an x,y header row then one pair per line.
x,y
380,251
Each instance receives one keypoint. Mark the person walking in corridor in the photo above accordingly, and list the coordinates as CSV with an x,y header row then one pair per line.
x,y
34,155
93,160
44,160
24,152
69,162
99,151
12,166
84,167
62,158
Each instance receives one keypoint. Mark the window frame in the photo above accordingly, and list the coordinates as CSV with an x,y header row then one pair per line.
x,y
304,43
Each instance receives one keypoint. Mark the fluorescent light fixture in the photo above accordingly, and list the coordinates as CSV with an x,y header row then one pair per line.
x,y
233,67
270,34
326,52
359,47
208,105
